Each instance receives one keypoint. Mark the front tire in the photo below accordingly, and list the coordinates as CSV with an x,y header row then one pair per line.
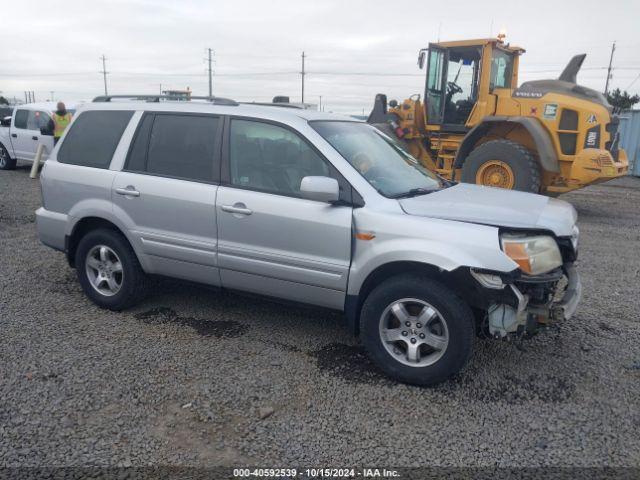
x,y
108,270
6,162
503,164
416,330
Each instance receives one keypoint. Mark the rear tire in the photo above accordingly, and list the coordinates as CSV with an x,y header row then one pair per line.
x,y
6,162
504,164
416,330
108,270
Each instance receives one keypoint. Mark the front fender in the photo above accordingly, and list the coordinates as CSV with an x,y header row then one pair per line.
x,y
545,151
443,244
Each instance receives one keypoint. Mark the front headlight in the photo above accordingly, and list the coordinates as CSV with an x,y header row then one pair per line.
x,y
533,254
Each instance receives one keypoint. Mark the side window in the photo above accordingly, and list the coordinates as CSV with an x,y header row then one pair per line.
x,y
37,119
434,91
271,158
21,118
93,138
137,159
181,146
501,69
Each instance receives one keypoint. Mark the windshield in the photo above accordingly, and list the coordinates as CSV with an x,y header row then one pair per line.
x,y
379,159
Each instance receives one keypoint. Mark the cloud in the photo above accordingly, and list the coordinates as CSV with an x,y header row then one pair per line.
x,y
258,45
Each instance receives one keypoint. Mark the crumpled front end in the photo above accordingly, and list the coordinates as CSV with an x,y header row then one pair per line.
x,y
536,301
522,303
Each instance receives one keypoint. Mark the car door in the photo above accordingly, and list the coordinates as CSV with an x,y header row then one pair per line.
x,y
26,136
20,136
271,240
167,192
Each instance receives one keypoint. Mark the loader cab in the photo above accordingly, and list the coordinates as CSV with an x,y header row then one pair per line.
x,y
459,74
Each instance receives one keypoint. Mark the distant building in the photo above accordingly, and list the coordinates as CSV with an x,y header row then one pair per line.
x,y
180,95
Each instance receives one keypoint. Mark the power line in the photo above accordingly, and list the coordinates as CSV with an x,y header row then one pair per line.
x,y
634,81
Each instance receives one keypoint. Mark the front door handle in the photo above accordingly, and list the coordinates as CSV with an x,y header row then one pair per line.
x,y
238,208
129,191
34,138
14,135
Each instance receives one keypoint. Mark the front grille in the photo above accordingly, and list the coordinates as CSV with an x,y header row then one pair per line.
x,y
614,137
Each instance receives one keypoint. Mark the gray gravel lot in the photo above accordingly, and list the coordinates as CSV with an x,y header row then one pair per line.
x,y
199,377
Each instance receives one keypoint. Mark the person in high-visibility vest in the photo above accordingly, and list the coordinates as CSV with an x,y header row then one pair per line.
x,y
61,119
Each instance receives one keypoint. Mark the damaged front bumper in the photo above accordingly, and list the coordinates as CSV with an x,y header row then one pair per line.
x,y
536,301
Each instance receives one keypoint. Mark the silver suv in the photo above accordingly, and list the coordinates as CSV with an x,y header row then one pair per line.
x,y
308,207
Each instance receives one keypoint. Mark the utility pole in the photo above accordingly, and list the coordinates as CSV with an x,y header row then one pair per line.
x,y
210,76
104,72
606,86
320,106
303,74
51,91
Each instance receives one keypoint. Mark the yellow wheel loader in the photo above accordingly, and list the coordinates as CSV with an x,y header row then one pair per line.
x,y
475,125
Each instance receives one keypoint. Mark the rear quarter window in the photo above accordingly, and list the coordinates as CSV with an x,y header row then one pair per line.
x,y
93,138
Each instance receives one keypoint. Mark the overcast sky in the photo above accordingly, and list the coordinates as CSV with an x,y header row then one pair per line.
x,y
354,48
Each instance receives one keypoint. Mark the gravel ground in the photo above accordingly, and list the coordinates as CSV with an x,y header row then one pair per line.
x,y
196,377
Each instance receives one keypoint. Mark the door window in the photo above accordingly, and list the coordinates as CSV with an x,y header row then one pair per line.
x,y
462,84
37,119
183,146
270,158
21,119
434,86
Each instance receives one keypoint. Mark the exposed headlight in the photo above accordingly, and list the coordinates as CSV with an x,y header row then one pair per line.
x,y
533,254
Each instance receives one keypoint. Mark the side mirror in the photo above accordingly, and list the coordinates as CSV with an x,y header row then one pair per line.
x,y
46,130
322,189
421,56
6,122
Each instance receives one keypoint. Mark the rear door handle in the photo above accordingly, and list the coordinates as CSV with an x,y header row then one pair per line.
x,y
14,135
238,208
129,191
34,138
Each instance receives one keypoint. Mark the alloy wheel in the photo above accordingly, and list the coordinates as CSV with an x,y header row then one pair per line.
x,y
104,270
414,332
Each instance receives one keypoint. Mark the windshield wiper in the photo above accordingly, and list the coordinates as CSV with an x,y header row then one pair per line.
x,y
414,192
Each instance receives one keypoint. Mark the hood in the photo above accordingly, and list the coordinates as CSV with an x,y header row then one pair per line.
x,y
566,84
494,206
539,88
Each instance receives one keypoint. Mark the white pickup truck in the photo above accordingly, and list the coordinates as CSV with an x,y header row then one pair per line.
x,y
20,134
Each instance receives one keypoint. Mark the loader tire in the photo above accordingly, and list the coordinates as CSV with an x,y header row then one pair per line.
x,y
503,164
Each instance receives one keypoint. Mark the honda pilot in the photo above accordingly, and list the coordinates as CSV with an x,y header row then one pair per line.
x,y
308,207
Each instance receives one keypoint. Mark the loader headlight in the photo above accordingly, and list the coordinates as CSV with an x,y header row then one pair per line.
x,y
533,254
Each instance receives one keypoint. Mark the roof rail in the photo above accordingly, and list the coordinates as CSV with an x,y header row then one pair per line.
x,y
274,104
177,98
